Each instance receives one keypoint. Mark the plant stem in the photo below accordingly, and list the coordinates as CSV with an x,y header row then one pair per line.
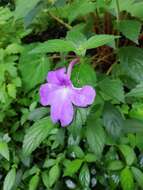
x,y
69,27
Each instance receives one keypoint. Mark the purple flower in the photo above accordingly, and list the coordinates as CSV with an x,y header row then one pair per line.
x,y
61,95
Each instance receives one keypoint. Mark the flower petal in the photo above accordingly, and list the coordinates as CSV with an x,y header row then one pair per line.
x,y
54,77
61,107
45,90
83,96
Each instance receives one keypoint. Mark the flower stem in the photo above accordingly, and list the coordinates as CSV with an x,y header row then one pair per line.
x,y
71,64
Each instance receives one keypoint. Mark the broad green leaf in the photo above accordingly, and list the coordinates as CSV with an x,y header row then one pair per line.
x,y
9,179
38,113
36,134
33,184
77,151
136,10
128,154
115,165
95,135
83,74
45,179
24,7
133,126
4,151
38,67
54,174
90,157
80,8
11,88
138,175
99,40
113,88
73,167
127,181
131,62
136,92
130,29
55,45
84,176
112,120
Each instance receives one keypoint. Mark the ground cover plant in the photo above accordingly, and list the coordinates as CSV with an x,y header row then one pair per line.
x,y
71,94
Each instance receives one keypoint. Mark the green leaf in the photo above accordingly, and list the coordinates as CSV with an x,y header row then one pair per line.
x,y
80,8
36,134
73,167
112,88
11,88
138,175
33,184
99,40
54,174
55,45
130,29
77,151
133,126
128,154
45,179
95,137
38,113
112,120
115,165
83,74
84,176
136,10
90,157
38,67
127,181
24,7
4,151
9,179
131,62
136,92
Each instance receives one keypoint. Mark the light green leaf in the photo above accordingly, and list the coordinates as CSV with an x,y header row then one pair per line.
x,y
95,137
83,74
127,181
54,174
24,7
130,29
115,165
99,40
4,151
38,67
36,134
55,45
72,167
112,88
138,175
33,184
128,153
11,88
9,179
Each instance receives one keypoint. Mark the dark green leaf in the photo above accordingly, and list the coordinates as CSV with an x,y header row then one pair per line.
x,y
138,175
112,120
36,134
84,176
95,137
112,88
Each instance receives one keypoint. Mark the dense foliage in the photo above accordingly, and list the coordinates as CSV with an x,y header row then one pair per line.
x,y
103,147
